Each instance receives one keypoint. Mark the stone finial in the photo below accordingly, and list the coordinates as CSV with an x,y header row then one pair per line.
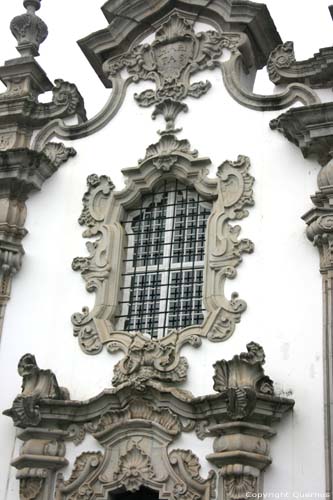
x,y
28,29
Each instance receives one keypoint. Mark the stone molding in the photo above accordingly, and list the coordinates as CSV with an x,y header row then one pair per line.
x,y
135,428
22,171
310,128
245,29
319,222
225,15
104,208
316,72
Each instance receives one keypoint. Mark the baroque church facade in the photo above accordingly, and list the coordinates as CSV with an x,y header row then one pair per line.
x,y
166,323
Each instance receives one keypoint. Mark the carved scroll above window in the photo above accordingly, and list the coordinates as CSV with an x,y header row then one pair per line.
x,y
164,245
178,53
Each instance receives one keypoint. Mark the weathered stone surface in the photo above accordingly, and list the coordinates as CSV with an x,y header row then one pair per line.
x,y
135,428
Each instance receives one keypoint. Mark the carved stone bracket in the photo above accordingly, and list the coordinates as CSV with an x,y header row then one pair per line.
x,y
135,428
310,128
317,72
231,194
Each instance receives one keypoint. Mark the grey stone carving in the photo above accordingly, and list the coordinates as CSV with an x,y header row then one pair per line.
x,y
43,450
29,30
241,448
41,456
231,193
309,128
23,170
242,378
226,15
320,231
135,428
246,30
36,384
316,72
175,55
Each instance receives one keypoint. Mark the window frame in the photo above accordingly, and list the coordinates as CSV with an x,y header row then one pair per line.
x,y
104,209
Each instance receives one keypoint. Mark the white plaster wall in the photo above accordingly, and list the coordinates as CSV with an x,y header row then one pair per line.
x,y
280,281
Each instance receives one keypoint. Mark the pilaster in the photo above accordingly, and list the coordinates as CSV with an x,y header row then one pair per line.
x,y
22,169
41,456
320,231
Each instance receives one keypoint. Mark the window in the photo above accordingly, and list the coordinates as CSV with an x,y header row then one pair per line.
x,y
163,263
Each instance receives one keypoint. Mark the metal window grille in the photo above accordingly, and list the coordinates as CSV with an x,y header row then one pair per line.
x,y
164,262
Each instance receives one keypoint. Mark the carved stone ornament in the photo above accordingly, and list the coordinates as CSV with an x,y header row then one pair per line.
x,y
230,193
241,378
310,128
37,384
29,30
177,53
135,429
22,169
319,222
22,172
317,72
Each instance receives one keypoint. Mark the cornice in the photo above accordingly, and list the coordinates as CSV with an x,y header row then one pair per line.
x,y
317,72
130,22
310,128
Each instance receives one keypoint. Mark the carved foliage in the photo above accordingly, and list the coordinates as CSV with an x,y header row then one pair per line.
x,y
30,31
176,53
241,378
317,72
66,101
320,219
244,370
103,208
134,468
142,410
57,153
30,487
177,474
149,359
235,185
76,486
239,487
188,463
137,409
